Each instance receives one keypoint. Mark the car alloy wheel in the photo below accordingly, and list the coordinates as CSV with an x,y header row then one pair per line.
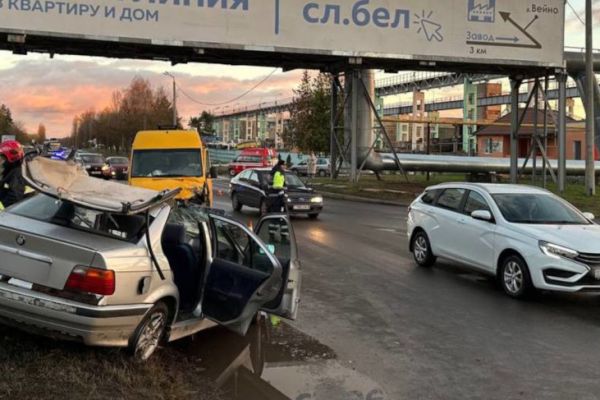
x,y
150,332
322,173
514,277
422,250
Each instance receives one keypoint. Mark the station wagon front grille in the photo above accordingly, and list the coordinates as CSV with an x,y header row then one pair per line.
x,y
588,258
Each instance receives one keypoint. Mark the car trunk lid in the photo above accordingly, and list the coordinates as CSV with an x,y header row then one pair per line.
x,y
41,258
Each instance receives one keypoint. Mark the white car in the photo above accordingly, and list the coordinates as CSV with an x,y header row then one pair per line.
x,y
525,236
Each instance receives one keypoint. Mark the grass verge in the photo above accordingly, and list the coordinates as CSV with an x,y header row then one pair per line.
x,y
396,188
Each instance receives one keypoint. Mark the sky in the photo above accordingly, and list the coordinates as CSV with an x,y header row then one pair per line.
x,y
38,89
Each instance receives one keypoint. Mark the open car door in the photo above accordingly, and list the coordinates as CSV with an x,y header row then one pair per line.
x,y
243,275
276,231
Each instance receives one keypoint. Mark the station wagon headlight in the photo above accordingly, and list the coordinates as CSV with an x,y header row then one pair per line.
x,y
556,251
317,199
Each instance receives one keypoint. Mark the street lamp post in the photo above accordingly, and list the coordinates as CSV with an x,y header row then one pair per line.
x,y
174,98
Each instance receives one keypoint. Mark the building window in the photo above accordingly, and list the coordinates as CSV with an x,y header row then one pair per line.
x,y
492,145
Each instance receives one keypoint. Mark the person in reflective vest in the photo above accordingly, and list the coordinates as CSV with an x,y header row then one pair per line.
x,y
276,192
12,184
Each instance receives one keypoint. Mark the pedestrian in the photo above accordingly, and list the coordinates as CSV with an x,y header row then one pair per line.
x,y
312,165
12,184
277,189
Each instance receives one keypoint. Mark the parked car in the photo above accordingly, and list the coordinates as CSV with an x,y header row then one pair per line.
x,y
92,163
124,268
116,168
323,167
526,237
250,189
252,158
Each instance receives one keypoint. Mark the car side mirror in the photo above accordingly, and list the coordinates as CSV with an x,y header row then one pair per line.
x,y
482,215
214,173
589,216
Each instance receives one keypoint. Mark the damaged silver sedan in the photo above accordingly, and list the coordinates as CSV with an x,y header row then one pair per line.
x,y
113,265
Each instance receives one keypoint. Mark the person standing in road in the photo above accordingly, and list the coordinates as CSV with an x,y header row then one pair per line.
x,y
312,165
277,189
12,184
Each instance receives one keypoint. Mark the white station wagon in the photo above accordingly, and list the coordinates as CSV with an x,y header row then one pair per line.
x,y
113,265
525,236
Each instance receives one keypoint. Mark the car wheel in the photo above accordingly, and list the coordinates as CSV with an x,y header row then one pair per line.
x,y
514,277
264,207
322,173
421,249
235,202
313,216
231,173
149,333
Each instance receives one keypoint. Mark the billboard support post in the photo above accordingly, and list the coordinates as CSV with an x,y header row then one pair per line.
x,y
354,128
590,173
332,128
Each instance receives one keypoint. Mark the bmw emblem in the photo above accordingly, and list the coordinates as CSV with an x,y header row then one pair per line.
x,y
21,240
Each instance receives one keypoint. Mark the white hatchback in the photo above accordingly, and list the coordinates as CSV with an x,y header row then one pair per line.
x,y
525,236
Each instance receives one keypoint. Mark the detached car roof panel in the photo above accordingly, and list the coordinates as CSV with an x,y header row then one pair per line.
x,y
68,181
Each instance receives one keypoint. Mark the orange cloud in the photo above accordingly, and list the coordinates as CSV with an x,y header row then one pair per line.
x,y
53,92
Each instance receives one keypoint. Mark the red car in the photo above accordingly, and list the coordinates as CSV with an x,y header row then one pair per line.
x,y
116,168
253,158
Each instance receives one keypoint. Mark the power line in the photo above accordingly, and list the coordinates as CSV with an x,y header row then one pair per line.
x,y
228,101
575,12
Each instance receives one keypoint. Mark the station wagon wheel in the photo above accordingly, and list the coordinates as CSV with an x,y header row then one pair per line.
x,y
421,249
235,202
514,277
149,333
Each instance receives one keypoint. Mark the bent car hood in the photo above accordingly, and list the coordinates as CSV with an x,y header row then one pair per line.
x,y
70,182
582,238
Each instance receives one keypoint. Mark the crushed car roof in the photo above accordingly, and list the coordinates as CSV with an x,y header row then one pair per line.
x,y
68,181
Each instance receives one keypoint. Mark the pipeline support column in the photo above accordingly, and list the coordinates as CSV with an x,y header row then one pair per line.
x,y
515,84
562,130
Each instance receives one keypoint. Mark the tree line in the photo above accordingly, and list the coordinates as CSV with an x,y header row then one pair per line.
x,y
9,126
141,107
135,108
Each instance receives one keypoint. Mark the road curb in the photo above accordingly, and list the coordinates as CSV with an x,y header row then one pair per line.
x,y
358,199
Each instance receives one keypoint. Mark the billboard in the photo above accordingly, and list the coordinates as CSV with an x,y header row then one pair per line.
x,y
511,32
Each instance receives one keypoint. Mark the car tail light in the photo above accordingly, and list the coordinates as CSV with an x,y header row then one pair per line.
x,y
91,280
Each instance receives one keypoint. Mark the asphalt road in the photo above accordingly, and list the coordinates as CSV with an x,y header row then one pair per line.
x,y
440,333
